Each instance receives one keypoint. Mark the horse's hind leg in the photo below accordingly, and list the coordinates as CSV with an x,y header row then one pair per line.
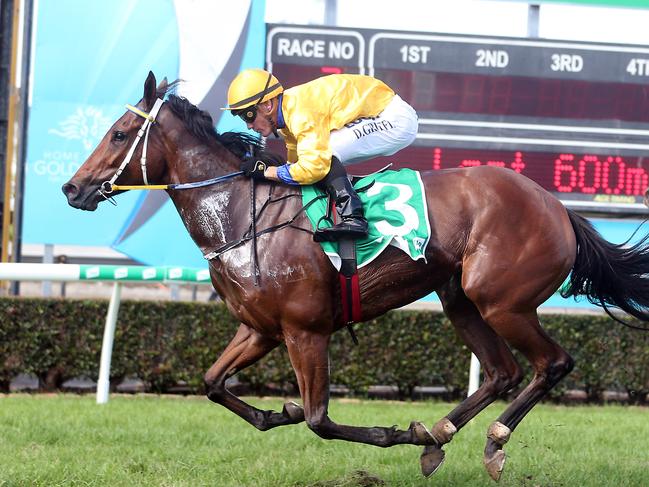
x,y
309,357
550,363
501,371
246,348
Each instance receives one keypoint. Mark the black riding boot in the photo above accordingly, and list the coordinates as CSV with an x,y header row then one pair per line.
x,y
349,207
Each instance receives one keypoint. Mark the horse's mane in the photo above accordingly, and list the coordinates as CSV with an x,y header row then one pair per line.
x,y
200,124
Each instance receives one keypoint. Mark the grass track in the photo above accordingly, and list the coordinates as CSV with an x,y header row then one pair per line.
x,y
67,440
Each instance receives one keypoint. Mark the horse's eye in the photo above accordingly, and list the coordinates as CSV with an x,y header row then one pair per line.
x,y
119,136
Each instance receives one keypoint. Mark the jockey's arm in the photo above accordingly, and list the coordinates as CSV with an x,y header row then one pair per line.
x,y
307,170
311,157
291,156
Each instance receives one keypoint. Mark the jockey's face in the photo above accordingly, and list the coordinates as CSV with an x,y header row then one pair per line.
x,y
266,118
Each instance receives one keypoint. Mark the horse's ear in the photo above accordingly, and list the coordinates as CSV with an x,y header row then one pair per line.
x,y
162,88
149,91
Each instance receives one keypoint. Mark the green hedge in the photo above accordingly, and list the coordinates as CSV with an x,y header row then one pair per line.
x,y
164,343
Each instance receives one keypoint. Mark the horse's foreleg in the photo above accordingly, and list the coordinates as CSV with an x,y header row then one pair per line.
x,y
308,354
246,348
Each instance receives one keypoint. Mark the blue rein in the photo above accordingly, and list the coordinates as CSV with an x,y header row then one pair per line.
x,y
207,182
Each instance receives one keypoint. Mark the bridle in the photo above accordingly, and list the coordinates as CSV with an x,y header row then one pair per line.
x,y
106,188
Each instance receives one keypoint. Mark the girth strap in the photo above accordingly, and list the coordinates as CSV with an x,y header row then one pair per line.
x,y
349,287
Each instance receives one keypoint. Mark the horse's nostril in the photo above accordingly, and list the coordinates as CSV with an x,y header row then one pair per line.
x,y
70,190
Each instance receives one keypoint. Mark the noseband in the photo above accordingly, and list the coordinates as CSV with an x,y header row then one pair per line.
x,y
106,187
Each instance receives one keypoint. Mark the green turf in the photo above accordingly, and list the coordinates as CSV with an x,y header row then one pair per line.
x,y
133,440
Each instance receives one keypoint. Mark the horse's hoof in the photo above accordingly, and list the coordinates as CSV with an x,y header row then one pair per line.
x,y
431,459
294,411
495,464
421,434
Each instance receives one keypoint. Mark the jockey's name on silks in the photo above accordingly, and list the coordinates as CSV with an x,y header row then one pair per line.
x,y
369,127
395,208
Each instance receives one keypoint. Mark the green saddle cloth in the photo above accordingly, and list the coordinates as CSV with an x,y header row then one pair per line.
x,y
395,208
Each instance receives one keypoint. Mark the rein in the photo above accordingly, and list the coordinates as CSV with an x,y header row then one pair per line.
x,y
250,234
196,184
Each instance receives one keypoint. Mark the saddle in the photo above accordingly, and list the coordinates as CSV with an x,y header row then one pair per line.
x,y
394,204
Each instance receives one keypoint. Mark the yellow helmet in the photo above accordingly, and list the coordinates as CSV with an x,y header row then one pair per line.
x,y
252,87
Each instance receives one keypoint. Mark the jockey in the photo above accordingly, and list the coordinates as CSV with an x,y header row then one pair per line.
x,y
330,121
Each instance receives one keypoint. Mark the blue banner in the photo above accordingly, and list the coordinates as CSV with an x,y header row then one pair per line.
x,y
91,58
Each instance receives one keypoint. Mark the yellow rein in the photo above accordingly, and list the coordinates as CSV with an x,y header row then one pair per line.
x,y
119,187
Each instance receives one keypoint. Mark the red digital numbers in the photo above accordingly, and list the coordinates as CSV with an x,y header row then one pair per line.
x,y
516,164
565,175
597,177
587,174
590,175
437,158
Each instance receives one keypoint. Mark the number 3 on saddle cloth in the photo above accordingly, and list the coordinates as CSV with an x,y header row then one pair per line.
x,y
395,207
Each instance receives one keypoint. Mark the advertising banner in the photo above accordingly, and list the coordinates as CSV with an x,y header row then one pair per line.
x,y
89,60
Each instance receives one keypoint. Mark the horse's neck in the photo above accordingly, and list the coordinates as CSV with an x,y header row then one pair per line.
x,y
208,212
208,215
199,161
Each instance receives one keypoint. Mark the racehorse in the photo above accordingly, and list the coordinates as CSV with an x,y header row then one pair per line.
x,y
500,246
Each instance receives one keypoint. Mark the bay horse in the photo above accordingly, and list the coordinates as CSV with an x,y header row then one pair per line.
x,y
500,246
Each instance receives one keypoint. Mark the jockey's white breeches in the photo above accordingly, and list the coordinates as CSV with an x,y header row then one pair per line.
x,y
387,133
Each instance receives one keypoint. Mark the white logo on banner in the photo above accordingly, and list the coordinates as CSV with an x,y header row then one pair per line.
x,y
149,273
175,273
57,166
87,124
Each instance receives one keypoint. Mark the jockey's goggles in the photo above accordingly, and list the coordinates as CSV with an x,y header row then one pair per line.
x,y
247,114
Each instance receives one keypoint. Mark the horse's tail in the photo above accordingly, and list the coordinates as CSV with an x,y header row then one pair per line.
x,y
609,274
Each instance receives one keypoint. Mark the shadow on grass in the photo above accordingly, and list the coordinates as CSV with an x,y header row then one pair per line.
x,y
360,478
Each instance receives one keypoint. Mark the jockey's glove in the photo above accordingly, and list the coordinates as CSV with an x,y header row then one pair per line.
x,y
253,167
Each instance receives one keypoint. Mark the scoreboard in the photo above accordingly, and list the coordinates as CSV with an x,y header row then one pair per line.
x,y
572,116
